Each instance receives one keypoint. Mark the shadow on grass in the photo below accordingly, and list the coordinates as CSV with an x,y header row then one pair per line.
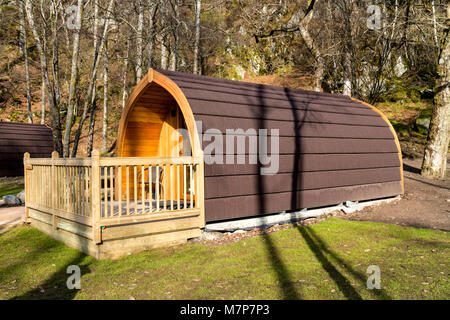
x,y
327,257
287,287
55,287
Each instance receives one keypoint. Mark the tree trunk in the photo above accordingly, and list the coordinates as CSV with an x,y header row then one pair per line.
x,y
312,47
174,62
164,55
125,75
139,47
24,48
43,99
197,35
434,163
73,81
56,124
105,99
151,32
163,37
435,36
90,99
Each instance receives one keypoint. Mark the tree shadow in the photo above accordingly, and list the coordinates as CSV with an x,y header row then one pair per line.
x,y
287,287
55,287
328,258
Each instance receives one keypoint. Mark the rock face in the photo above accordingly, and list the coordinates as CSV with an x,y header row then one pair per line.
x,y
11,200
21,196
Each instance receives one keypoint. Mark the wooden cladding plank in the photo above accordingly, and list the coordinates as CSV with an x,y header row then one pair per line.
x,y
262,100
25,143
293,145
19,156
305,163
244,206
228,186
205,81
202,109
22,149
214,93
292,128
28,136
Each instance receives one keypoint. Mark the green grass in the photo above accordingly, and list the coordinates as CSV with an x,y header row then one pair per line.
x,y
325,261
11,186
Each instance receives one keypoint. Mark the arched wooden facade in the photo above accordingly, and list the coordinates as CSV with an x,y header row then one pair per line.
x,y
331,148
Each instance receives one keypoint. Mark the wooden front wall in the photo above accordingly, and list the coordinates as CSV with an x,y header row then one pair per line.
x,y
150,131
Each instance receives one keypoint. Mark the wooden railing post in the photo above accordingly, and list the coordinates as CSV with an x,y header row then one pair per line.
x,y
26,177
54,192
96,197
201,190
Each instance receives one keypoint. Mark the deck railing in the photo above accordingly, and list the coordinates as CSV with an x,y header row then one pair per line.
x,y
102,192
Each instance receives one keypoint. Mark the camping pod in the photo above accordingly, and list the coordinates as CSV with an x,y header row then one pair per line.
x,y
265,149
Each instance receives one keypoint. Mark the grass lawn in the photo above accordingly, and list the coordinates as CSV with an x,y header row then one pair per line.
x,y
11,186
324,261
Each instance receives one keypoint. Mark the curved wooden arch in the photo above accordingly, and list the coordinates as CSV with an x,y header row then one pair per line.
x,y
172,88
397,142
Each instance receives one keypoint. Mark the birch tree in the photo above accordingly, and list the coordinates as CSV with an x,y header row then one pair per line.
x,y
53,99
434,163
139,40
175,33
198,7
24,48
90,97
73,78
153,8
125,73
105,98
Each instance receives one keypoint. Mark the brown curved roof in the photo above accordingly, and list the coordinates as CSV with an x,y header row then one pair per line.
x,y
332,148
18,138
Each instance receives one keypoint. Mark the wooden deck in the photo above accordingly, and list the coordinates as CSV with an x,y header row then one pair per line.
x,y
108,207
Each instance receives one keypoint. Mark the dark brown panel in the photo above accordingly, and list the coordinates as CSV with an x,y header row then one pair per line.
x,y
199,94
291,128
19,155
245,206
207,80
230,186
25,136
202,108
30,149
307,162
17,142
262,97
292,145
18,138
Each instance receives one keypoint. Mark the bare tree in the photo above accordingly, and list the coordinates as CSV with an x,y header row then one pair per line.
x,y
435,158
53,98
24,48
105,98
139,40
175,33
125,73
73,79
90,97
153,5
198,4
163,35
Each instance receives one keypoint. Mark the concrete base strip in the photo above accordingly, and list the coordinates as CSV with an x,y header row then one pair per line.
x,y
291,217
